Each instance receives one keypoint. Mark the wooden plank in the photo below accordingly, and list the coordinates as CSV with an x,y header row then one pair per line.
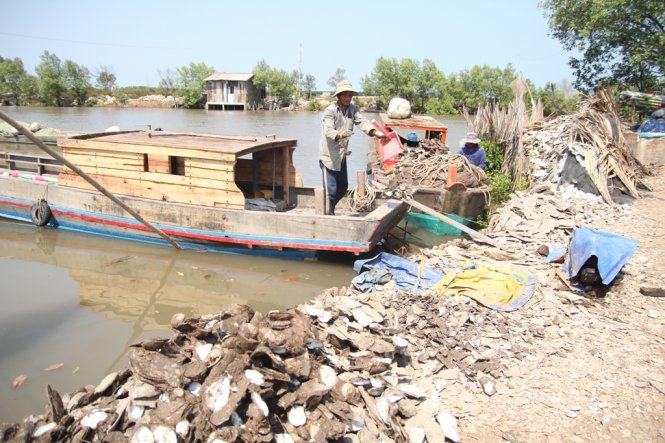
x,y
144,149
319,201
214,165
159,191
101,153
158,163
108,162
222,182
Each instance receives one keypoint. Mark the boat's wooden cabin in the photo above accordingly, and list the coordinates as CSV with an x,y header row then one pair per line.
x,y
200,169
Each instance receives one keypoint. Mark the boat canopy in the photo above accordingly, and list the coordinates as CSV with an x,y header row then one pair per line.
x,y
201,169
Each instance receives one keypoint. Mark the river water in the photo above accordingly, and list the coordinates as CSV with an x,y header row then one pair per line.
x,y
82,300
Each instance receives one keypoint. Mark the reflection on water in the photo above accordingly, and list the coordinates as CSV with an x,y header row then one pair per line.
x,y
302,126
82,300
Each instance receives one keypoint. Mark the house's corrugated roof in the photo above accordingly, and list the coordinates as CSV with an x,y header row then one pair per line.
x,y
231,76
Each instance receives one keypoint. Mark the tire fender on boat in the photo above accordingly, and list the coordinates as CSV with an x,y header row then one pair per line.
x,y
40,213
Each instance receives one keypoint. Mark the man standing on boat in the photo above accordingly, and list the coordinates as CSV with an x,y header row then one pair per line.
x,y
338,121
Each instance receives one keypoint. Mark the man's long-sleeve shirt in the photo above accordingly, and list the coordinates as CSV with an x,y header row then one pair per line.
x,y
331,151
476,156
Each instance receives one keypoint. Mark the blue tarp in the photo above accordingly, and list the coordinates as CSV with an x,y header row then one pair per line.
x,y
613,252
365,281
555,254
405,273
653,125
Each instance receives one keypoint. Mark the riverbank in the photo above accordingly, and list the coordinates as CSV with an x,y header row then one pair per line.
x,y
407,365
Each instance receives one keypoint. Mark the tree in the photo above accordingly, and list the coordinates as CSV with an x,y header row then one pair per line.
x,y
297,78
281,86
419,83
621,42
392,78
482,85
278,84
50,79
15,82
167,80
308,85
191,83
338,76
106,79
76,79
557,100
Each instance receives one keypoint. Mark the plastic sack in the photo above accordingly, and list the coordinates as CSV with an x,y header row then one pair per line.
x,y
399,108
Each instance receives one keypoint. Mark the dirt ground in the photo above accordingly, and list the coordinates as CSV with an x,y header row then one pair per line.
x,y
597,370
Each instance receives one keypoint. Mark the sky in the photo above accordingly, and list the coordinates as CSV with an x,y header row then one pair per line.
x,y
138,39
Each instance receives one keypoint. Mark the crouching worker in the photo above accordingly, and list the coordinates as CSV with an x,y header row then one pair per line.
x,y
472,150
338,121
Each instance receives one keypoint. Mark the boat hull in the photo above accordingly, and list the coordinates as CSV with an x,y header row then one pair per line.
x,y
197,226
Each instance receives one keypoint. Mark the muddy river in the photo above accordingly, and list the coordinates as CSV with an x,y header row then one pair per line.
x,y
80,301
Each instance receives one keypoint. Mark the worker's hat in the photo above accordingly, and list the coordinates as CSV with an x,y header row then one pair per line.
x,y
344,86
471,137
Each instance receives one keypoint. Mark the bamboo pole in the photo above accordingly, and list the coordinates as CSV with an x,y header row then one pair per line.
x,y
85,176
475,235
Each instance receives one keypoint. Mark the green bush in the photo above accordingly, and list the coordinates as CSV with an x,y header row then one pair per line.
x,y
501,186
314,105
495,153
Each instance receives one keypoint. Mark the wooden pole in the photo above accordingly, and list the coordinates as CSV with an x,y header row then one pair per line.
x,y
85,176
475,235
286,177
319,201
361,186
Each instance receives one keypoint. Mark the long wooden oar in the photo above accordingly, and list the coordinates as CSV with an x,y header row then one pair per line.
x,y
475,235
86,177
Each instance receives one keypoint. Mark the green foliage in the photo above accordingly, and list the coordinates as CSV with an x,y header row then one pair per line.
x,y
556,101
15,82
51,83
338,76
308,85
501,186
76,79
430,90
276,82
190,82
395,78
621,42
441,106
106,79
314,106
483,84
495,153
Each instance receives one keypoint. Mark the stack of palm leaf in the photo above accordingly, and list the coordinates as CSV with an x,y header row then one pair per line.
x,y
593,139
504,125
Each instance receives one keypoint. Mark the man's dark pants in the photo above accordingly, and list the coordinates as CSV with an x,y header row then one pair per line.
x,y
335,185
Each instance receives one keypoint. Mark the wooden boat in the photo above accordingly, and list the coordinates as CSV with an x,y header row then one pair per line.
x,y
465,203
195,188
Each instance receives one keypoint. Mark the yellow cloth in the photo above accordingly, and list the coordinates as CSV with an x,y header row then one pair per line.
x,y
496,288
